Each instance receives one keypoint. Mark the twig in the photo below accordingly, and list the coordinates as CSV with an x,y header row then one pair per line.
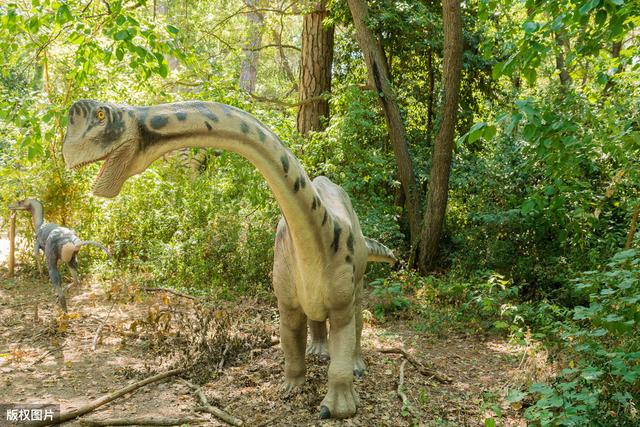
x,y
171,291
46,353
97,335
224,353
405,400
143,421
69,415
421,368
207,407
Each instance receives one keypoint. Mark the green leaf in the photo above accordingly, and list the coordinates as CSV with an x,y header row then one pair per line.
x,y
616,2
530,27
122,35
591,373
586,8
172,30
163,69
514,396
489,422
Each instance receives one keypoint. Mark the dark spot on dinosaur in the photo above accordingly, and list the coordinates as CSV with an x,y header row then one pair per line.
x,y
261,134
336,237
202,109
130,112
348,259
303,182
158,122
350,242
324,218
296,185
244,127
181,115
314,205
285,163
207,125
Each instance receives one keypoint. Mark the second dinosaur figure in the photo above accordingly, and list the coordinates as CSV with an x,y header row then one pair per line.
x,y
59,244
320,252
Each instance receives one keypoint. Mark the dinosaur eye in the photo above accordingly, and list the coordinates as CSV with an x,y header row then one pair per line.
x,y
100,115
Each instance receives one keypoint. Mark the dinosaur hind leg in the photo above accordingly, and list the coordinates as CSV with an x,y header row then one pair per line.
x,y
293,336
318,345
358,363
73,268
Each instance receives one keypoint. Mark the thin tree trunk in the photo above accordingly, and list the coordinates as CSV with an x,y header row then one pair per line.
x,y
249,65
379,79
315,70
443,147
632,227
615,53
565,78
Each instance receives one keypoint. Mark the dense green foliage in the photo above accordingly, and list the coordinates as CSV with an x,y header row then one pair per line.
x,y
544,181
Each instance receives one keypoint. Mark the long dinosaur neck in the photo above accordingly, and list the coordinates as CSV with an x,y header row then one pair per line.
x,y
37,214
169,127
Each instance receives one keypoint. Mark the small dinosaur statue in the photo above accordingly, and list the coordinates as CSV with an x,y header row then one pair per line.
x,y
320,252
59,244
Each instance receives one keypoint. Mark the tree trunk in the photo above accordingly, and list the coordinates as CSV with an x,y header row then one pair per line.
x,y
615,53
562,42
315,70
379,78
249,66
432,88
443,146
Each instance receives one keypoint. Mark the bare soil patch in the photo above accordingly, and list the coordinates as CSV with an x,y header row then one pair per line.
x,y
48,358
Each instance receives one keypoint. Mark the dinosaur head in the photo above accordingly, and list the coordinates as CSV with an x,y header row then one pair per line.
x,y
103,131
24,205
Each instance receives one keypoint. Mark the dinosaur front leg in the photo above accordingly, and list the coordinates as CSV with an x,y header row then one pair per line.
x,y
318,346
341,400
293,337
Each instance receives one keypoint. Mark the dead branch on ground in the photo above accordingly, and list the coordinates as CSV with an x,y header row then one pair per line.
x,y
96,337
406,404
419,366
142,421
69,415
171,291
207,407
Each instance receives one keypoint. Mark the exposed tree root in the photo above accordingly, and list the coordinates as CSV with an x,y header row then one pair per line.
x,y
142,421
207,407
66,416
419,366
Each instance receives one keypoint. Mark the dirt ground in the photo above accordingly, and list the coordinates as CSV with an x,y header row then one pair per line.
x,y
46,357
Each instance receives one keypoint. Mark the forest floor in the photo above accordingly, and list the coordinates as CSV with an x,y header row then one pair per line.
x,y
46,357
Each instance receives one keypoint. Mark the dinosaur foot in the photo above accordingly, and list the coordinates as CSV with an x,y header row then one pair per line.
x,y
341,401
319,349
291,386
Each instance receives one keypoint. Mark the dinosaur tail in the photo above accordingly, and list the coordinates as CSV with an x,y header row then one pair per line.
x,y
377,252
96,244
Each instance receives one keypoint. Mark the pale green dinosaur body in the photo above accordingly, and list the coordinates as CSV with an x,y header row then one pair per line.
x,y
320,252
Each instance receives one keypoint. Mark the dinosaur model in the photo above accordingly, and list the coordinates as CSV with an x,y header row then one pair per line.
x,y
320,252
59,244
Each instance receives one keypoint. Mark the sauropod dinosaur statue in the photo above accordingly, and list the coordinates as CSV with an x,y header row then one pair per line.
x,y
320,252
59,244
